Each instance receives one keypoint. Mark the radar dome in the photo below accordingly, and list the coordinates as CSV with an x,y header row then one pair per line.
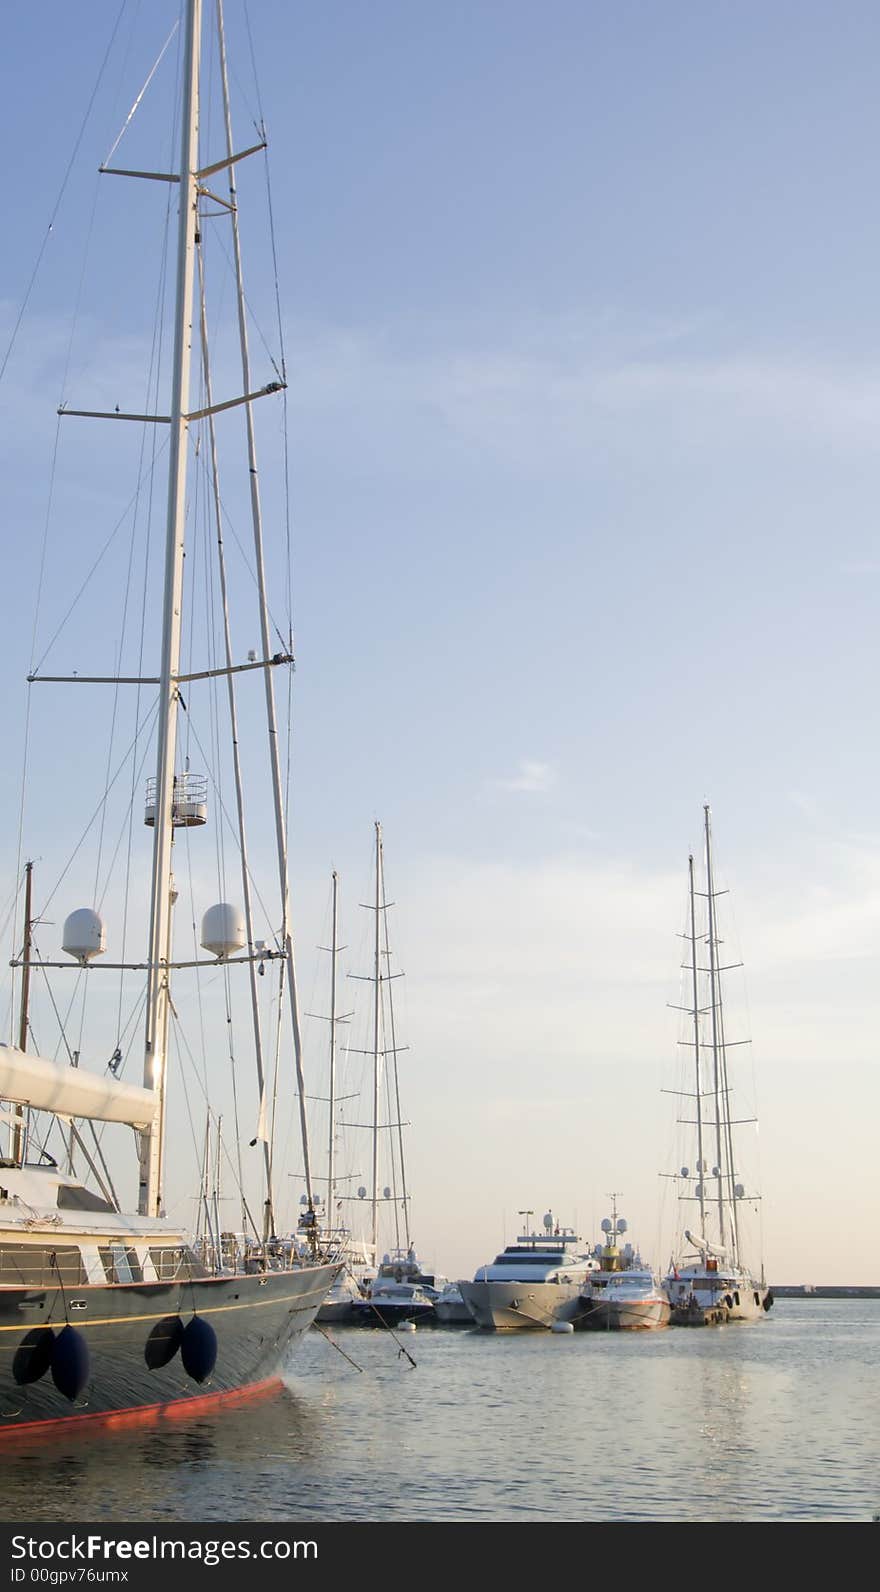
x,y
605,1224
548,1220
622,1225
223,930
83,935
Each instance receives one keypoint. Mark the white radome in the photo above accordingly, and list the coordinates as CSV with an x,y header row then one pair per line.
x,y
223,931
83,935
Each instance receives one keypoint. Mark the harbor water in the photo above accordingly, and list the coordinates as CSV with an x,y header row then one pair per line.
x,y
779,1421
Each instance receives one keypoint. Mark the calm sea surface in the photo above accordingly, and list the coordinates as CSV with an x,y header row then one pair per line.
x,y
775,1421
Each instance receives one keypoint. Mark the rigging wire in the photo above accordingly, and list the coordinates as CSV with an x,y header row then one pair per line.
x,y
177,1034
61,192
262,132
253,319
154,68
229,525
258,119
133,503
117,669
228,819
105,548
125,829
80,842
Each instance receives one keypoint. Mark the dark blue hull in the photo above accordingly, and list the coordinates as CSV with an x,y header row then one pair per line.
x,y
126,1328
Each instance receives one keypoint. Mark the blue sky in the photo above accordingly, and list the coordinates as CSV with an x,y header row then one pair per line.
x,y
580,316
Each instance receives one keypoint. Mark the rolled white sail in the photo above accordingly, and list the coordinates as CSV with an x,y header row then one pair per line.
x,y
703,1245
72,1091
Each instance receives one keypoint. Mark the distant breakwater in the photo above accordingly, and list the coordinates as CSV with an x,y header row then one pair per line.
x,y
808,1290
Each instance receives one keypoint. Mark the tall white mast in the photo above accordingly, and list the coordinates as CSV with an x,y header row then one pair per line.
x,y
377,1008
163,893
716,1031
728,1166
697,1066
404,1199
331,1149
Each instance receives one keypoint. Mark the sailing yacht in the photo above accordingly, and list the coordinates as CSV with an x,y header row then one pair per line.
x,y
357,1255
709,1281
401,1289
108,1311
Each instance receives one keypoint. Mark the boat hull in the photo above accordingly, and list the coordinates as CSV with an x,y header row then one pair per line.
x,y
336,1313
518,1306
256,1318
381,1312
699,1302
630,1315
337,1309
453,1314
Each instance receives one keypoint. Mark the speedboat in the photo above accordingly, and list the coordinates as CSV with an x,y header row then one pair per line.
x,y
535,1282
628,1300
623,1292
399,1292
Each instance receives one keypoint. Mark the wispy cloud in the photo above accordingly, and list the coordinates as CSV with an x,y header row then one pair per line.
x,y
541,391
559,383
531,776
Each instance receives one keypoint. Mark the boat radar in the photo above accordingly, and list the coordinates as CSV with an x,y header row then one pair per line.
x,y
83,935
223,930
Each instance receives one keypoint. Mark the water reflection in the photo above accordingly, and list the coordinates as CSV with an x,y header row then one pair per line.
x,y
161,1472
779,1420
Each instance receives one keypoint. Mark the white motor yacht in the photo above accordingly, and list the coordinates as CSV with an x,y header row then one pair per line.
x,y
535,1282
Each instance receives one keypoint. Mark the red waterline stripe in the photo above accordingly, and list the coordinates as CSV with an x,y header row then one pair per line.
x,y
145,1414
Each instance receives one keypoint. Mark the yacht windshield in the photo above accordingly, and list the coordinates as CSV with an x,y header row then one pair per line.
x,y
529,1258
